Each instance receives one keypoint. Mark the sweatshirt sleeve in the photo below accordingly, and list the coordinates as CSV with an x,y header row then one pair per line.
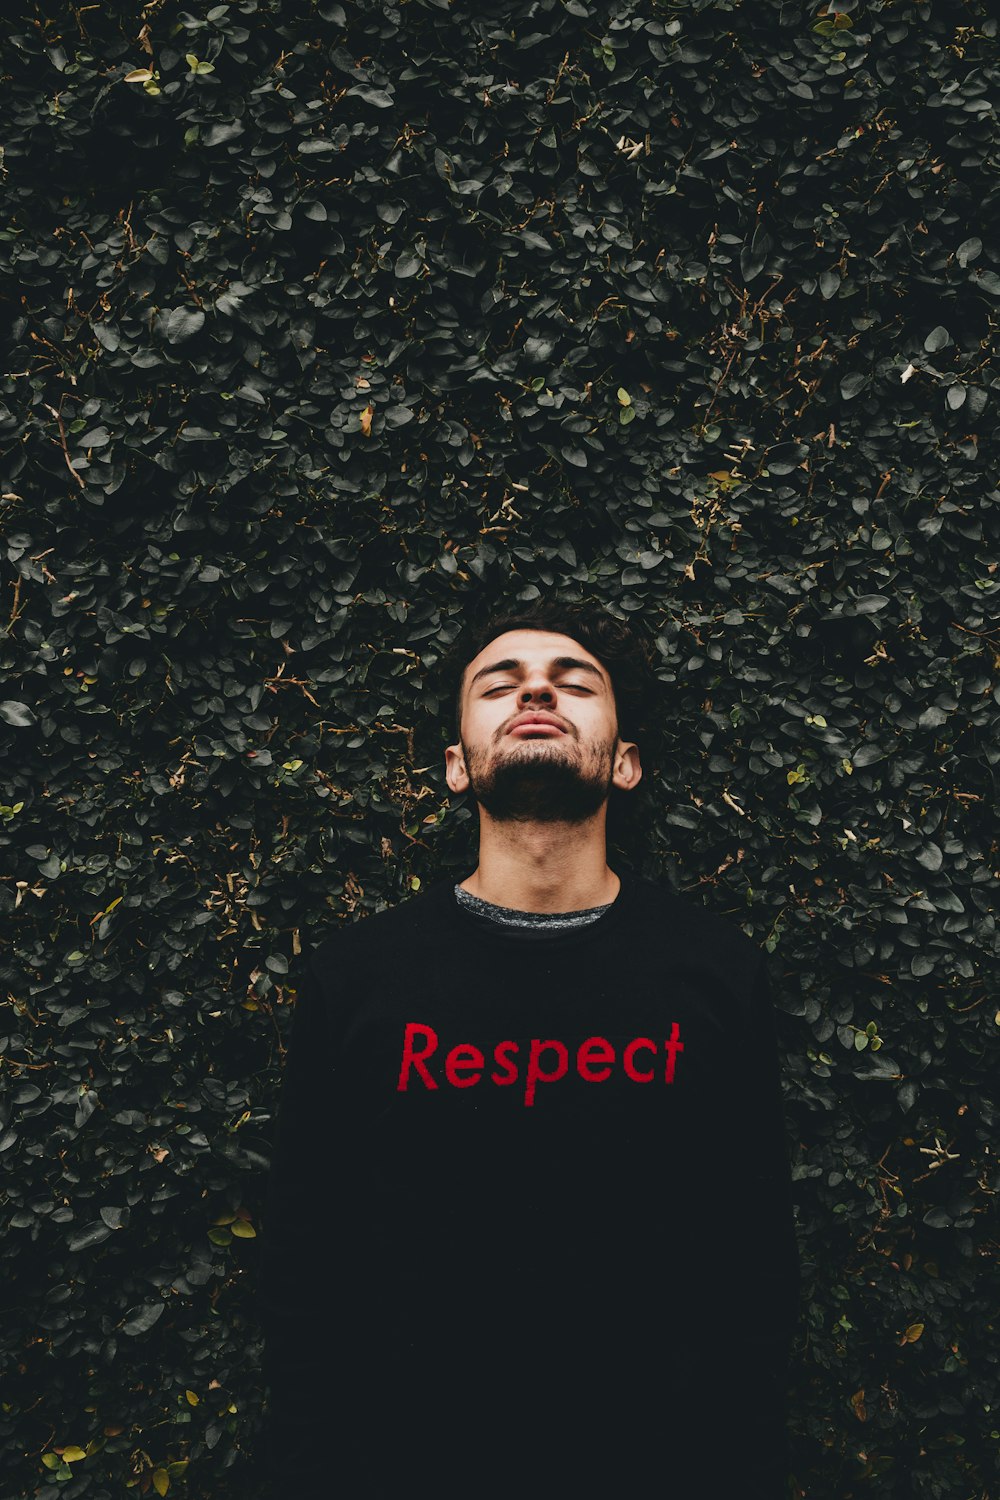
x,y
291,1276
767,1318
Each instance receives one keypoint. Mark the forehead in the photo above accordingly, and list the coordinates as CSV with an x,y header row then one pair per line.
x,y
533,647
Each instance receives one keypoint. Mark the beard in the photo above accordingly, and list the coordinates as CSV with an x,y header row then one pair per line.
x,y
544,780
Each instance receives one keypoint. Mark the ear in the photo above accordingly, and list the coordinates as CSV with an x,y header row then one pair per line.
x,y
628,770
454,768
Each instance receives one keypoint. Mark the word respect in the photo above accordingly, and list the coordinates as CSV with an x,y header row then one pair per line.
x,y
546,1061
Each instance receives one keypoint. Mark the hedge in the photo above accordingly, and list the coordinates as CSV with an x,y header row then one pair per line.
x,y
333,327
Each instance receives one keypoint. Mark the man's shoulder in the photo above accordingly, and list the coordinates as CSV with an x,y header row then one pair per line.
x,y
365,931
701,925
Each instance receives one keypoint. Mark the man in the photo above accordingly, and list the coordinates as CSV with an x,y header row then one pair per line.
x,y
529,1230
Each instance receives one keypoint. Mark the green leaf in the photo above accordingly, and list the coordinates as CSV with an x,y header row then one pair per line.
x,y
969,250
930,856
850,385
90,1235
870,604
381,98
182,323
143,1318
217,135
18,714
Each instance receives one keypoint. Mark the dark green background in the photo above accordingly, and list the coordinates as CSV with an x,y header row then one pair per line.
x,y
346,326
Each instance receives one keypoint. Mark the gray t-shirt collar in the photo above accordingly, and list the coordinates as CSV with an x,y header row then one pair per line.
x,y
508,916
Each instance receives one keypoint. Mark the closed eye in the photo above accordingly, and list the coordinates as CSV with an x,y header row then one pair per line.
x,y
503,687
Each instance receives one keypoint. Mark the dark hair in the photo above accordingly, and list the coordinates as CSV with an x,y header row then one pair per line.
x,y
625,653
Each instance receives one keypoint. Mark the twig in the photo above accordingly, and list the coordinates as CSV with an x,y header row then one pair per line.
x,y
65,449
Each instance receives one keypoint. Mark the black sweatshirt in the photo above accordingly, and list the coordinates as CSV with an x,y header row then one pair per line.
x,y
529,1225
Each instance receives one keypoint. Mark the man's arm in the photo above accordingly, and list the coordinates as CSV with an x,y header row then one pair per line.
x,y
769,1256
293,1287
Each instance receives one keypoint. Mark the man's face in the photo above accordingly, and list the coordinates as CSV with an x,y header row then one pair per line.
x,y
560,772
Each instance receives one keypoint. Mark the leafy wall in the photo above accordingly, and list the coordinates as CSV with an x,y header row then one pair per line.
x,y
328,328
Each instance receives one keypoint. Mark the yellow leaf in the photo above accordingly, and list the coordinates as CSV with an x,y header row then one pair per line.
x,y
243,1230
720,474
161,1481
190,59
913,1332
71,1454
138,75
193,1397
366,420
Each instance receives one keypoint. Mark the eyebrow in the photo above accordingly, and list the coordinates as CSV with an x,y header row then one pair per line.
x,y
511,664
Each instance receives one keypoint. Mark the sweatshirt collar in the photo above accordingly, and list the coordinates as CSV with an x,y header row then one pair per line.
x,y
465,923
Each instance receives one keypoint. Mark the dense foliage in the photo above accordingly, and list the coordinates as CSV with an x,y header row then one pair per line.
x,y
329,328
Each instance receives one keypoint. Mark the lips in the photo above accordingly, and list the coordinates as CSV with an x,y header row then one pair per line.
x,y
536,725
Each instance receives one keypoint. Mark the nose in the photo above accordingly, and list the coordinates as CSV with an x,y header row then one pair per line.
x,y
537,686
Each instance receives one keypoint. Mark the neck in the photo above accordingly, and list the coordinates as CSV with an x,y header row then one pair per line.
x,y
554,867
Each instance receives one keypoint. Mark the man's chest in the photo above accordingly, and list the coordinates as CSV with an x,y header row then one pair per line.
x,y
535,1052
